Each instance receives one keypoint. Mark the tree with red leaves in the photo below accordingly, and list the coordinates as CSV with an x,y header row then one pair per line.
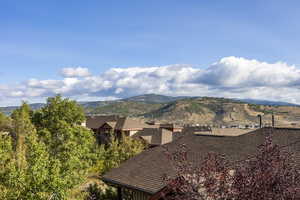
x,y
270,174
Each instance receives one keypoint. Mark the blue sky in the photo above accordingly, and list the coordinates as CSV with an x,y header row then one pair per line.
x,y
40,38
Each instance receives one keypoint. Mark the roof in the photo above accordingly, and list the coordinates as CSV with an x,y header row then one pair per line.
x,y
119,123
170,125
126,124
111,124
94,122
144,172
229,131
154,136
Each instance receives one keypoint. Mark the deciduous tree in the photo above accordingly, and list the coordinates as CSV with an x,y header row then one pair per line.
x,y
270,174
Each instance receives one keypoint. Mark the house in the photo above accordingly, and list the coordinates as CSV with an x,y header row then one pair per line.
x,y
155,136
129,126
104,126
241,126
115,123
95,122
172,127
198,129
141,176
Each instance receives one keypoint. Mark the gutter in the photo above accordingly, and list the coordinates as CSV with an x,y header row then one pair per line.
x,y
116,183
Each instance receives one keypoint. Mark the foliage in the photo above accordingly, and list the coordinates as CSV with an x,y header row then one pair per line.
x,y
45,159
120,150
194,107
5,123
21,126
70,146
47,153
24,159
270,174
96,193
58,109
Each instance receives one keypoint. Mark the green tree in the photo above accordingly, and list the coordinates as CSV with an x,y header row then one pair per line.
x,y
24,159
37,174
6,155
58,109
70,146
21,126
5,123
119,150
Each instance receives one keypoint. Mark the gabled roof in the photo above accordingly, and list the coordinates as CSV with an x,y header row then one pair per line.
x,y
97,121
111,124
126,124
144,172
121,123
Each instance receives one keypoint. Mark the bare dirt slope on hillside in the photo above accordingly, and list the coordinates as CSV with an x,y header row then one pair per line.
x,y
220,111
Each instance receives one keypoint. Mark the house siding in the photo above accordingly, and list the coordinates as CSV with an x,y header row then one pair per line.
x,y
166,136
128,194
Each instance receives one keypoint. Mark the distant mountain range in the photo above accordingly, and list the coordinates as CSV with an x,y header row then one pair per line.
x,y
8,110
154,98
199,110
266,102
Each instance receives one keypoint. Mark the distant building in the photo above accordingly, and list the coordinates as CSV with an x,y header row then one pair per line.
x,y
152,133
171,127
241,126
104,126
223,126
155,136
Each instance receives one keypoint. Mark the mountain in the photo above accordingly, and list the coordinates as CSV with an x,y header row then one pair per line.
x,y
195,110
266,102
9,109
222,111
125,108
153,98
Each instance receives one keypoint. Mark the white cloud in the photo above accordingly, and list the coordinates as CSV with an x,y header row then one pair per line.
x,y
75,72
233,71
230,77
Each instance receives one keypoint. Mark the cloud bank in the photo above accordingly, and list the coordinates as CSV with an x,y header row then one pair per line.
x,y
230,77
75,72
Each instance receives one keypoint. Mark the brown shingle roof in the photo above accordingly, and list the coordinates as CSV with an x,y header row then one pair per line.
x,y
144,171
97,121
122,123
112,124
126,123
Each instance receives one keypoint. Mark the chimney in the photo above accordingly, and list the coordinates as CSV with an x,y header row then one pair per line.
x,y
260,121
273,121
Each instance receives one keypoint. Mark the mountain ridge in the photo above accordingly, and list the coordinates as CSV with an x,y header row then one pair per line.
x,y
193,110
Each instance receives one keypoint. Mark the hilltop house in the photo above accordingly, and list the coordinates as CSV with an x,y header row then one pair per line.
x,y
153,134
104,126
141,176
